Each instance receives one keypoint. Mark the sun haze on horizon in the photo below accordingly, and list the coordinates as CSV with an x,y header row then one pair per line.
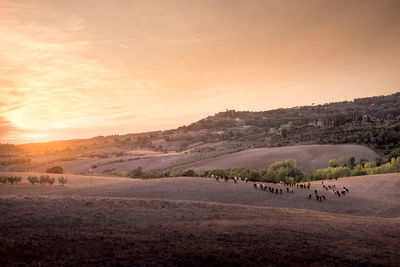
x,y
88,68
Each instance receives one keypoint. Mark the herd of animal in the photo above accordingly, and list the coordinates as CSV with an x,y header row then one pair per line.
x,y
268,187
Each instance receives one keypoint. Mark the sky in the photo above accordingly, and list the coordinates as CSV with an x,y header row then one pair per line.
x,y
76,69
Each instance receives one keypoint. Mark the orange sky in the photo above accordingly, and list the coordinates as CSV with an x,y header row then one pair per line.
x,y
71,69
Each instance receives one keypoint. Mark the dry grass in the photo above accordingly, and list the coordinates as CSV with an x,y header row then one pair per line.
x,y
197,221
308,157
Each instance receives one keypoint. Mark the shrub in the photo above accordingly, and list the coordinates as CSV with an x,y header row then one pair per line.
x,y
217,172
51,180
62,180
333,163
136,173
254,175
43,179
189,173
10,179
33,179
283,171
55,169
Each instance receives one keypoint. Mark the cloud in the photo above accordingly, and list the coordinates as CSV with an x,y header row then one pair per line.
x,y
54,81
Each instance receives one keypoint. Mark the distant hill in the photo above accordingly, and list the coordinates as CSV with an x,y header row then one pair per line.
x,y
372,121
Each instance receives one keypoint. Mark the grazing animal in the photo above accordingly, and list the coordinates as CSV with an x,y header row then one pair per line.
x,y
216,178
309,196
276,191
281,191
315,191
255,185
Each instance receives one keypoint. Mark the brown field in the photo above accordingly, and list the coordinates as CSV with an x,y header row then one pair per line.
x,y
308,157
147,160
198,221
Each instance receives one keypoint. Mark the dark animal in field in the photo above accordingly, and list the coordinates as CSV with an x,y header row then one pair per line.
x,y
276,191
226,179
308,186
216,178
343,192
315,191
317,197
281,191
255,186
287,189
309,196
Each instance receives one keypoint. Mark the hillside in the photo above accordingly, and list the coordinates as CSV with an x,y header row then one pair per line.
x,y
308,157
373,122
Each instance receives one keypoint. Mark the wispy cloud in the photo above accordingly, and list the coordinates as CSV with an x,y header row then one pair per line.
x,y
51,82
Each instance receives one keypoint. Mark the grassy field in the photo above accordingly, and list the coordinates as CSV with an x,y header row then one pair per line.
x,y
308,157
199,221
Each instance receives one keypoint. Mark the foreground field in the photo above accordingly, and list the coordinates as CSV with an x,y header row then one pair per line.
x,y
198,221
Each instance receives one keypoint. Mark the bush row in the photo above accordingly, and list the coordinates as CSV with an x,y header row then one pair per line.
x,y
46,179
10,179
287,171
43,179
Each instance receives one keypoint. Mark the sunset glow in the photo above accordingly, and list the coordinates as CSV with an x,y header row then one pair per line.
x,y
76,69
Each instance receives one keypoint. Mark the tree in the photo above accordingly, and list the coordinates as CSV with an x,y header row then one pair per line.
x,y
62,180
33,179
254,175
44,179
189,173
333,163
137,173
51,181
